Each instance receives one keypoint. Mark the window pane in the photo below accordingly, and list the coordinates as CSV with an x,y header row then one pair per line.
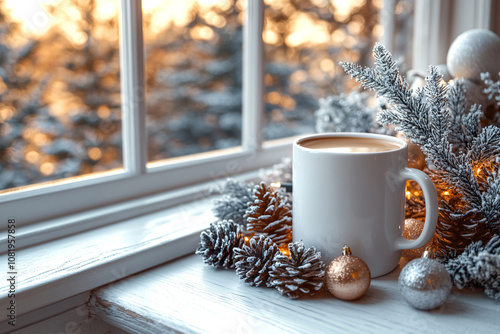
x,y
193,75
59,89
304,41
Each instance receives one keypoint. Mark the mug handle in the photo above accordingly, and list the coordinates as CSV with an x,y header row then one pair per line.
x,y
431,209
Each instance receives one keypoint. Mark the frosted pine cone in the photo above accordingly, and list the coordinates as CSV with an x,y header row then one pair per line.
x,y
303,273
218,242
270,215
253,262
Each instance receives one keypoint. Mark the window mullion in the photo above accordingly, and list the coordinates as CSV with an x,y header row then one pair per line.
x,y
482,19
133,87
253,76
387,20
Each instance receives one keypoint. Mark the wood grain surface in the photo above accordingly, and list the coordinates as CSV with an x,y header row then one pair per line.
x,y
186,296
63,268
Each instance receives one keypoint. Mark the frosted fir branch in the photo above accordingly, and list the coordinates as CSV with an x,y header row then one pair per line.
x,y
485,146
435,92
427,116
406,111
280,172
345,113
477,266
234,201
492,87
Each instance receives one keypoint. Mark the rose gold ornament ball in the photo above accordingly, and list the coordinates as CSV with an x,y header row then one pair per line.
x,y
416,158
348,277
412,229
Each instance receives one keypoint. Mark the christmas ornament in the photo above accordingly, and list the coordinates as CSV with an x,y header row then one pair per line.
x,y
416,158
300,274
477,266
472,53
217,244
347,276
412,229
254,261
424,282
443,69
460,152
234,201
270,215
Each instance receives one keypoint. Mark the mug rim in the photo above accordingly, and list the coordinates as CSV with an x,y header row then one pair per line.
x,y
404,144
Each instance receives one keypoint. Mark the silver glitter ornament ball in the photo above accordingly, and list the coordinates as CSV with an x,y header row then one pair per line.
x,y
473,52
424,283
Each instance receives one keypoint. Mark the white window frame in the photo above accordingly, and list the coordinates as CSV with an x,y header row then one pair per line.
x,y
438,23
48,211
139,178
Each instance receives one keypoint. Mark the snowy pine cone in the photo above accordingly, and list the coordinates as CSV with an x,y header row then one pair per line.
x,y
218,242
270,215
253,262
303,273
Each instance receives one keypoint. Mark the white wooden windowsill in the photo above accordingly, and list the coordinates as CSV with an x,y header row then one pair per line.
x,y
58,275
186,296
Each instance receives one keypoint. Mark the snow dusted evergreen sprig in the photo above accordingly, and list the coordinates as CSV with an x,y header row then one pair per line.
x,y
435,118
280,172
234,201
345,113
477,266
492,87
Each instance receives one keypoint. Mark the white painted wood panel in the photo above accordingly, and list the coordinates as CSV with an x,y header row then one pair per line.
x,y
74,321
253,76
63,268
186,296
49,312
133,87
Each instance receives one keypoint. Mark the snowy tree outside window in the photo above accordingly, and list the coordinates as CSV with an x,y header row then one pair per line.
x,y
60,101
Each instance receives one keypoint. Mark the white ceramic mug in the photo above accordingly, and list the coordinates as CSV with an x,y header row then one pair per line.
x,y
357,199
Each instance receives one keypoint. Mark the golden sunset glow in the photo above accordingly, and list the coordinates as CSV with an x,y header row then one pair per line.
x,y
65,120
306,30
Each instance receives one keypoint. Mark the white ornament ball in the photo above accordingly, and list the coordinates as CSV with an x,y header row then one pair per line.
x,y
443,69
474,52
424,283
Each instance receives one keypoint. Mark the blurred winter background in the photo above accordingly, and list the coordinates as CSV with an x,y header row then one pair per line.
x,y
60,103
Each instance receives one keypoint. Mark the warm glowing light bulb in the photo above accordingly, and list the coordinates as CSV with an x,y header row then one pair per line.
x,y
284,250
446,193
276,185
